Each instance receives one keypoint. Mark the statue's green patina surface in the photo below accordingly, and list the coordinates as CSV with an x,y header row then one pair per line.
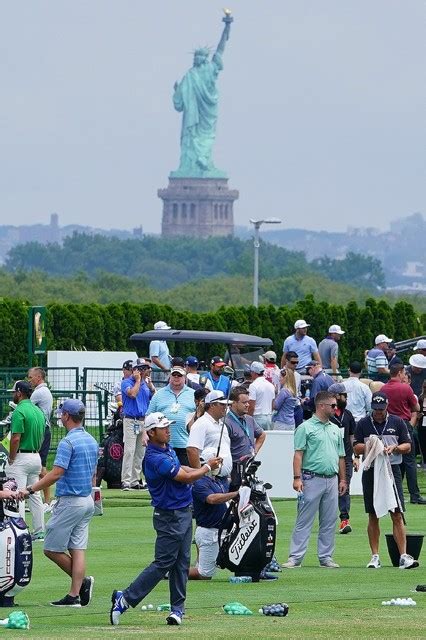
x,y
197,98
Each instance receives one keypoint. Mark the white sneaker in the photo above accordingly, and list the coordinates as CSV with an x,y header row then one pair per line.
x,y
374,562
407,562
290,564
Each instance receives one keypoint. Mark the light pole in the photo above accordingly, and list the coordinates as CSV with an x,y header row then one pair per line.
x,y
256,245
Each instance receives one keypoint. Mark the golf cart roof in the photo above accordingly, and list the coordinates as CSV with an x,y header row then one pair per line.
x,y
213,337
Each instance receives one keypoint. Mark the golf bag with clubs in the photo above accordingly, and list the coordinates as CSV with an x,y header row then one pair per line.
x,y
111,451
248,536
16,553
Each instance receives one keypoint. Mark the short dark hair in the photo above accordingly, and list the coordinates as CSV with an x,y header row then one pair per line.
x,y
355,366
200,394
394,369
291,354
322,396
236,392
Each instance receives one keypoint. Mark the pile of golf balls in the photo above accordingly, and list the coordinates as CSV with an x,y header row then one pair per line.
x,y
400,602
145,607
280,609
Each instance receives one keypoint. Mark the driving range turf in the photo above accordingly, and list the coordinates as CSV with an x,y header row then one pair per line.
x,y
324,603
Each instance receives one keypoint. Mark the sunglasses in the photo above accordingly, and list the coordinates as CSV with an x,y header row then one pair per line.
x,y
333,405
294,361
177,375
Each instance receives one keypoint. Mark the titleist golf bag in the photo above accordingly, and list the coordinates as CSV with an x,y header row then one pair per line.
x,y
16,552
248,536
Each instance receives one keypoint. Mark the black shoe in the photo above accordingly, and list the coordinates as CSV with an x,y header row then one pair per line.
x,y
86,590
139,486
418,500
67,601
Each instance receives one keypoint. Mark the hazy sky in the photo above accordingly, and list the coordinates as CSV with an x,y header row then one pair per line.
x,y
322,108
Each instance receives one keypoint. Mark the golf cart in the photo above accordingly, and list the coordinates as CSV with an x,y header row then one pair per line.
x,y
239,349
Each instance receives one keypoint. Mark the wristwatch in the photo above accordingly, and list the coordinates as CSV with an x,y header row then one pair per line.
x,y
30,490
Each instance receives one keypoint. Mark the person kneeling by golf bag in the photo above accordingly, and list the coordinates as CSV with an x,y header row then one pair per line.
x,y
210,495
16,555
248,543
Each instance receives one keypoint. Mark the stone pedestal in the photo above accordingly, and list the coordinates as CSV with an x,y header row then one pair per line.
x,y
199,207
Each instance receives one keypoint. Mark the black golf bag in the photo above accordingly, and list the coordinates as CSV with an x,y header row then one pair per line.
x,y
248,543
111,452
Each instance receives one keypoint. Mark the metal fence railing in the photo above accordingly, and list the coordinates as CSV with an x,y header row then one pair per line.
x,y
56,377
94,420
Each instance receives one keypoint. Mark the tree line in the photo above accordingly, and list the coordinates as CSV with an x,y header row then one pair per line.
x,y
161,263
108,327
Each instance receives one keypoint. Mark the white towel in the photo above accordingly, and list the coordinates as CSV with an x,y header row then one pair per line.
x,y
384,499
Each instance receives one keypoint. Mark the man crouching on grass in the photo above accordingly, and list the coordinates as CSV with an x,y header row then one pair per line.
x,y
67,531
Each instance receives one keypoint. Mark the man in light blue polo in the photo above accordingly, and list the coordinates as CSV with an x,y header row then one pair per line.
x,y
319,478
305,346
159,353
67,531
175,401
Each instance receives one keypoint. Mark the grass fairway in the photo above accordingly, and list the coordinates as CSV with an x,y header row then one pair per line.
x,y
324,603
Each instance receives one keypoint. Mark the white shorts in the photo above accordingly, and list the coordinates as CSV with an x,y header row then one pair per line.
x,y
208,548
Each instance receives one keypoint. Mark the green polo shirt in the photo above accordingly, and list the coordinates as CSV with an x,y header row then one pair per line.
x,y
29,421
322,446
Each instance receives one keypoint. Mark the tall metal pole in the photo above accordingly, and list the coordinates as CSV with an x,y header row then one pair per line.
x,y
256,266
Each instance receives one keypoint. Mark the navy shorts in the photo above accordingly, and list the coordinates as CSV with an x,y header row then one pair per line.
x,y
368,487
45,446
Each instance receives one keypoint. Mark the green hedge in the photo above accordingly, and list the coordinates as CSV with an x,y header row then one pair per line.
x,y
108,327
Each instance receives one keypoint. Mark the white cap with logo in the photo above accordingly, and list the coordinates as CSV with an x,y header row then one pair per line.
x,y
335,328
382,338
301,324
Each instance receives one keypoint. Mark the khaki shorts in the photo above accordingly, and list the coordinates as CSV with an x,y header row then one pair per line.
x,y
68,527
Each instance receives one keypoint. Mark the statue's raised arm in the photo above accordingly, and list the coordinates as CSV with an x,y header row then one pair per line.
x,y
227,19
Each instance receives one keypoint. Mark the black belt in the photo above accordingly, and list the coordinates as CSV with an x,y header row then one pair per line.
x,y
135,417
26,451
318,475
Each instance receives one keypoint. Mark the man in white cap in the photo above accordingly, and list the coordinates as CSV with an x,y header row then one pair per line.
x,y
210,430
420,346
377,362
417,371
305,346
261,396
159,353
329,349
169,485
272,372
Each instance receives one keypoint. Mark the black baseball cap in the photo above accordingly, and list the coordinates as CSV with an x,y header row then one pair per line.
x,y
127,365
379,400
23,386
218,361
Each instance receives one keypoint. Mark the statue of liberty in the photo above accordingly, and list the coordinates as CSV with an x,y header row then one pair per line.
x,y
197,97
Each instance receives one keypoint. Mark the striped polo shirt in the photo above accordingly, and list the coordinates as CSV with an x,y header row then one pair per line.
x,y
77,453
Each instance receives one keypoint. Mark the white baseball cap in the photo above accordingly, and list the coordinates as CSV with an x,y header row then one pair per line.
x,y
418,360
157,419
421,344
215,396
301,324
257,367
335,328
382,338
161,325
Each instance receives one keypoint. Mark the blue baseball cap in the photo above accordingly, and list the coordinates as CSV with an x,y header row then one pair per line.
x,y
191,361
72,406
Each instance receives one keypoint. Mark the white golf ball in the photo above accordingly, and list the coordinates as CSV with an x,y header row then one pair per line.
x,y
144,607
150,606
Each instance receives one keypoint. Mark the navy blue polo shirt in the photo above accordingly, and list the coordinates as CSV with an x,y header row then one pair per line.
x,y
160,466
209,515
